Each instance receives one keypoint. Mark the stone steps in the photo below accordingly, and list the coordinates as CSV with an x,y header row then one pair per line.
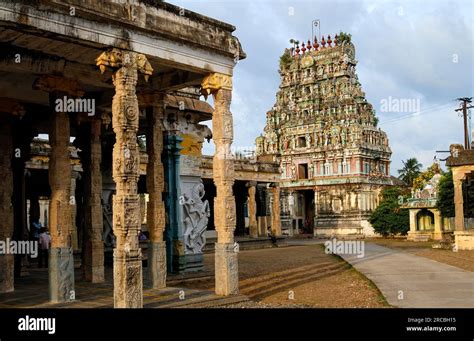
x,y
283,274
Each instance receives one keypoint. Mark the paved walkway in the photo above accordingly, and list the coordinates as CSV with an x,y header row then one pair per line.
x,y
410,281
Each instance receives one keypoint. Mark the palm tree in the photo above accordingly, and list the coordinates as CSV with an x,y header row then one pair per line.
x,y
410,171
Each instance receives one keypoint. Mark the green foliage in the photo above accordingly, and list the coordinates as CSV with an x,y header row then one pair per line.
x,y
410,171
422,179
388,219
344,37
445,201
285,59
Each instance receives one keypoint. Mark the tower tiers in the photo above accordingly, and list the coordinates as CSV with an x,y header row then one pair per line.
x,y
333,158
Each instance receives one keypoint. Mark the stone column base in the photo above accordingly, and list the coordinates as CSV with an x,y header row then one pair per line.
x,y
464,240
226,269
61,275
157,264
6,273
128,286
253,231
194,262
94,261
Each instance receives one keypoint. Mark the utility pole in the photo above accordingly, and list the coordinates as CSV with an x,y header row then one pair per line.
x,y
464,107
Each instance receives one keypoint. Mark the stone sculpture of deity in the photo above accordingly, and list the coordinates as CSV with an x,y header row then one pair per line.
x,y
196,216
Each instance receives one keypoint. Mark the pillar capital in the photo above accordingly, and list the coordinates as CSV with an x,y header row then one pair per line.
x,y
116,59
215,82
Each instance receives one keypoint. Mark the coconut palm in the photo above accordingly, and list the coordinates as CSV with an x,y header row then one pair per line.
x,y
410,171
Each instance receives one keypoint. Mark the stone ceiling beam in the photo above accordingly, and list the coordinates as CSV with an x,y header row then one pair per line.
x,y
215,52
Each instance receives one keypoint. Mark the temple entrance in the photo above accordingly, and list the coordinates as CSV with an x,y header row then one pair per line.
x,y
425,220
301,209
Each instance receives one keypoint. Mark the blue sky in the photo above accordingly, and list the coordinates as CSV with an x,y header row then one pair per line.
x,y
415,50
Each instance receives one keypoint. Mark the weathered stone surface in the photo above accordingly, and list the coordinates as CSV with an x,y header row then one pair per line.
x,y
223,170
128,282
252,207
93,243
61,262
157,264
61,274
276,223
226,269
6,208
155,186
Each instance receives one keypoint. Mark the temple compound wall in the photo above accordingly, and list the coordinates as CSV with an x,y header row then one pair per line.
x,y
334,160
461,162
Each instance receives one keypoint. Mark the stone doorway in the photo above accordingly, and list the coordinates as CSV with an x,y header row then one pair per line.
x,y
425,220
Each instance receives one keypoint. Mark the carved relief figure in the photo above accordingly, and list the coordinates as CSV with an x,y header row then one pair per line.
x,y
196,216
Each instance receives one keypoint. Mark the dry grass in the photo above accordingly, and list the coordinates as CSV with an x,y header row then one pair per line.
x,y
399,243
460,259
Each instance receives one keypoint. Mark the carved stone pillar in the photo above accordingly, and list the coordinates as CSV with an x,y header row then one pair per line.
x,y
128,281
458,200
156,218
276,222
438,225
61,261
6,207
73,201
93,228
226,264
252,209
174,230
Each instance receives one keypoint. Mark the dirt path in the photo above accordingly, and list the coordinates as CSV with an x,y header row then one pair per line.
x,y
299,276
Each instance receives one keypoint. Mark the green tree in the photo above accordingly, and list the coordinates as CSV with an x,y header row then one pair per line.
x,y
344,37
445,201
285,59
389,219
410,171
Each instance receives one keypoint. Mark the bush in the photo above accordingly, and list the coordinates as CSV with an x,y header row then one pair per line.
x,y
445,201
388,219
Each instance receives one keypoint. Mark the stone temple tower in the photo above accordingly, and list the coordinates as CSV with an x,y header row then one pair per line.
x,y
333,158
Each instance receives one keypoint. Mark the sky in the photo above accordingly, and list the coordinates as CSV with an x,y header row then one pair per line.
x,y
417,51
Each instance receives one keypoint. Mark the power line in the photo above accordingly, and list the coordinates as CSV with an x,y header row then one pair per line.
x,y
418,113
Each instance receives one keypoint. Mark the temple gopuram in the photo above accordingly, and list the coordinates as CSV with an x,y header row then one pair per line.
x,y
333,158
